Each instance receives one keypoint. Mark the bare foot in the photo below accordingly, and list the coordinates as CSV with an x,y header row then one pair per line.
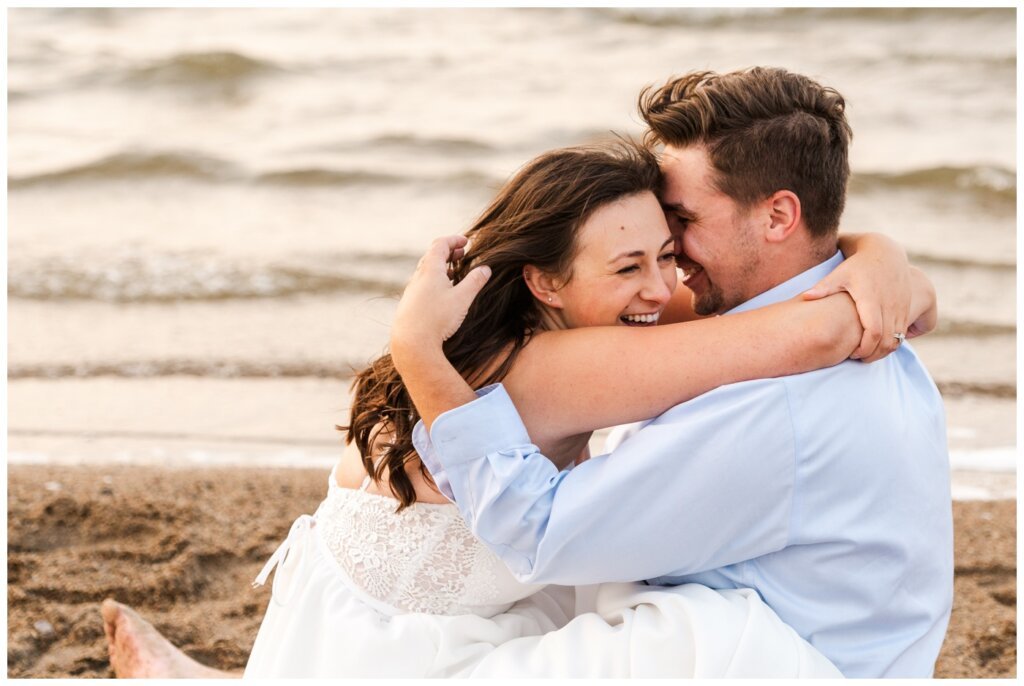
x,y
139,651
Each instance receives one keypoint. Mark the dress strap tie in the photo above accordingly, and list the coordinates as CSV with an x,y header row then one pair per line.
x,y
302,527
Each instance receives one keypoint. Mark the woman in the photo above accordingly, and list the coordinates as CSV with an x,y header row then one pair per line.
x,y
386,580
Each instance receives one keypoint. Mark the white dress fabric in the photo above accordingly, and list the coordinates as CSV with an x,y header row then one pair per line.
x,y
362,591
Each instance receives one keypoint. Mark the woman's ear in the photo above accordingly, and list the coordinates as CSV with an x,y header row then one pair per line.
x,y
543,286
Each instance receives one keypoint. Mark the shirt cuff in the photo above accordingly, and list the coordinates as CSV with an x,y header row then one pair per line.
x,y
489,424
425,449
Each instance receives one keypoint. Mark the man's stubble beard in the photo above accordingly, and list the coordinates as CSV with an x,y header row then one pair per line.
x,y
710,302
715,300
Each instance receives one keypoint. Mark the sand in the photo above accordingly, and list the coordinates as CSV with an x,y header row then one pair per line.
x,y
182,546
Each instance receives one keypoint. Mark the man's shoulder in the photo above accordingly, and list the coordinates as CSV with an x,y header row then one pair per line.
x,y
899,379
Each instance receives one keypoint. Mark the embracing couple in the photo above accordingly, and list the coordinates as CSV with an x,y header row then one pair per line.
x,y
776,509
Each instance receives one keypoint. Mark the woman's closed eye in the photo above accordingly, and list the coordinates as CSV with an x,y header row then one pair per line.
x,y
629,270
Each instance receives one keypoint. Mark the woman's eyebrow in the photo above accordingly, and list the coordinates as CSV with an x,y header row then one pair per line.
x,y
639,253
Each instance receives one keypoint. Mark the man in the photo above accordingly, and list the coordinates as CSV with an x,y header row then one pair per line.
x,y
827,493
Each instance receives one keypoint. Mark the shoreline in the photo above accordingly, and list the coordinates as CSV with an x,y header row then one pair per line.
x,y
182,545
975,475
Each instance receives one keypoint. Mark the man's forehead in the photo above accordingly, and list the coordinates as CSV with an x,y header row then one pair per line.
x,y
687,176
692,159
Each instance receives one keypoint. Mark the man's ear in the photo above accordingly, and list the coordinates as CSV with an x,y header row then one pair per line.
x,y
783,216
543,286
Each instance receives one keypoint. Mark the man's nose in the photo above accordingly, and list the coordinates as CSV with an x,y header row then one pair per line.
x,y
677,244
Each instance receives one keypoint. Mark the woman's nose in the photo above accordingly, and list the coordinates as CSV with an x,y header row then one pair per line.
x,y
656,290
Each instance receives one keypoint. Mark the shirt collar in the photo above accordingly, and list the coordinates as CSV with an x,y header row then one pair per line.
x,y
792,288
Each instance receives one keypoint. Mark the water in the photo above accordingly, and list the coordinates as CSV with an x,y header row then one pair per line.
x,y
237,195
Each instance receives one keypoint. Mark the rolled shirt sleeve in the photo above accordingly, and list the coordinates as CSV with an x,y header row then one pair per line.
x,y
707,484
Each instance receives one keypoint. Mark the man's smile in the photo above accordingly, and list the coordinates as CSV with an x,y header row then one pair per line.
x,y
691,270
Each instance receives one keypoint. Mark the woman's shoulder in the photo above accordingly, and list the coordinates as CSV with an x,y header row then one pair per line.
x,y
351,474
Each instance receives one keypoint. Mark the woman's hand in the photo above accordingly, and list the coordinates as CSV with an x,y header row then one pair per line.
x,y
432,309
877,276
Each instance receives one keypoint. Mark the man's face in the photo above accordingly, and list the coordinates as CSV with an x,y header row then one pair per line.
x,y
721,248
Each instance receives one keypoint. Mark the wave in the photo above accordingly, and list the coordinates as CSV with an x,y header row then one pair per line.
x,y
169,278
890,14
318,176
922,259
132,276
123,165
742,16
201,167
428,144
343,370
975,329
675,17
199,68
216,74
225,369
960,389
987,181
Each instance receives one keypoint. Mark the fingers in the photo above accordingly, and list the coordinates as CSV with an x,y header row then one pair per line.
x,y
442,250
470,286
830,285
897,324
871,320
888,343
820,291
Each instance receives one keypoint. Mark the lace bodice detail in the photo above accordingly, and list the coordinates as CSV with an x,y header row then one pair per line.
x,y
422,559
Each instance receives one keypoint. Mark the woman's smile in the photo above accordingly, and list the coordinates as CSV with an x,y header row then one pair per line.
x,y
649,319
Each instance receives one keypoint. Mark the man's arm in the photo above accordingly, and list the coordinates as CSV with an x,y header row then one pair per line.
x,y
707,484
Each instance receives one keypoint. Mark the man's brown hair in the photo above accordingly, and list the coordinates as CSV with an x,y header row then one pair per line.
x,y
765,130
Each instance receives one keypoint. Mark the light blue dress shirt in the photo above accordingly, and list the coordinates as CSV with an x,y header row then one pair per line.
x,y
827,492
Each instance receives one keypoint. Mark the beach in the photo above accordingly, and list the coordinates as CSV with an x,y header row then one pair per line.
x,y
212,212
183,545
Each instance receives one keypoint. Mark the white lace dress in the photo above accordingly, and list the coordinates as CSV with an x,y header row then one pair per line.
x,y
362,591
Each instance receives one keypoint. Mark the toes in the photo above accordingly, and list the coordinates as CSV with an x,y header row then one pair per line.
x,y
111,610
118,639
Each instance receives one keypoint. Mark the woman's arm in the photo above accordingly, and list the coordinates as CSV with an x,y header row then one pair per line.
x,y
877,276
569,382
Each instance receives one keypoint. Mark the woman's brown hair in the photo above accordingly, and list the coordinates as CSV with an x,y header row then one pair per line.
x,y
533,220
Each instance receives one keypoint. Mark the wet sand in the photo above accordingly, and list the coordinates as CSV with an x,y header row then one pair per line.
x,y
182,547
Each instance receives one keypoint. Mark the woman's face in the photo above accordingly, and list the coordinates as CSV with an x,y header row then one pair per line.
x,y
625,269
